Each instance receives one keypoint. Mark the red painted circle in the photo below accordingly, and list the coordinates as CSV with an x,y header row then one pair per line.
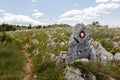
x,y
82,34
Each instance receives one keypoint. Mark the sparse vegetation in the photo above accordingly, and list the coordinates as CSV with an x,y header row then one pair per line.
x,y
42,42
99,70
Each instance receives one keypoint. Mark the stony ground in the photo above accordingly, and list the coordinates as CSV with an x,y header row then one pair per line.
x,y
37,59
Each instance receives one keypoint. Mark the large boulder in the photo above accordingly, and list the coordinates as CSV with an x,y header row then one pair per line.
x,y
79,44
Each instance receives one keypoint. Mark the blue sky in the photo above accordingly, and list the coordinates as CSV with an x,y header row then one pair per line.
x,y
60,11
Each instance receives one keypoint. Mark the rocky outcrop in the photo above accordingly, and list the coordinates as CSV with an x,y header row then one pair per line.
x,y
99,53
79,44
82,47
75,74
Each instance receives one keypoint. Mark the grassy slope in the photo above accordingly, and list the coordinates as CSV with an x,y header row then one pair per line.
x,y
43,67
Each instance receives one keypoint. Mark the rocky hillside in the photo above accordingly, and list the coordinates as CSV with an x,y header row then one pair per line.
x,y
45,49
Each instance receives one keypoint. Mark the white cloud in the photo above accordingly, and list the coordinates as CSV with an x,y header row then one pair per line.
x,y
98,1
77,16
34,1
115,0
36,14
18,19
71,13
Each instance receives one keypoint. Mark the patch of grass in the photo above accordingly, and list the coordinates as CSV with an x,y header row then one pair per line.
x,y
11,61
47,70
107,44
101,72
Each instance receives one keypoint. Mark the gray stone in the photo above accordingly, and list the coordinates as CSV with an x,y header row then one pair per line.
x,y
92,77
116,44
62,58
93,54
82,60
73,74
98,53
117,57
79,46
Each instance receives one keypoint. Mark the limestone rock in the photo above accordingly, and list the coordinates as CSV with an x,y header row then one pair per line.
x,y
93,54
99,53
116,44
62,58
92,77
73,74
79,44
117,57
82,60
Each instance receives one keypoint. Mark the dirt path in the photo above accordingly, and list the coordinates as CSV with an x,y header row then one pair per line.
x,y
28,66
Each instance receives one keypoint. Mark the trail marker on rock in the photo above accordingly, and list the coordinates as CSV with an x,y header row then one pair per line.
x,y
79,44
82,34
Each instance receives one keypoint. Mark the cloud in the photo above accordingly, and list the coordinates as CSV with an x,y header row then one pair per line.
x,y
36,14
19,19
98,1
115,0
78,16
34,1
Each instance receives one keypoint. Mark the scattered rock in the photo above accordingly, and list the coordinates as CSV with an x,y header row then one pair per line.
x,y
92,77
73,74
53,44
116,44
117,57
52,56
62,44
83,60
35,41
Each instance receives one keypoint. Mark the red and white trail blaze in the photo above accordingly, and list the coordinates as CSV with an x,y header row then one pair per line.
x,y
82,34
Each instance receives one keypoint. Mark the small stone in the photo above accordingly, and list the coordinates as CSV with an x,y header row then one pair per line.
x,y
35,41
62,44
73,74
83,60
117,57
52,56
116,44
92,77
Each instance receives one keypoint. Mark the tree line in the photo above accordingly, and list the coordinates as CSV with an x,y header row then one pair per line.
x,y
10,27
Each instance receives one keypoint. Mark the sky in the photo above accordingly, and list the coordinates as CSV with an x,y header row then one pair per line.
x,y
42,12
